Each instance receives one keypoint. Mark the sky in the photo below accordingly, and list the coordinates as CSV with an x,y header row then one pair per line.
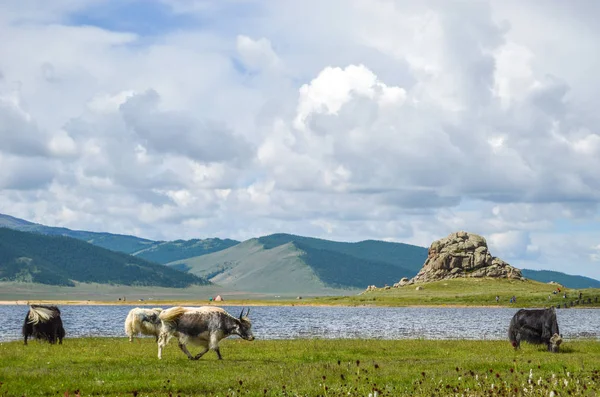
x,y
341,119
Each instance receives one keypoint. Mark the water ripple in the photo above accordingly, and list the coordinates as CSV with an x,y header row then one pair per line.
x,y
294,322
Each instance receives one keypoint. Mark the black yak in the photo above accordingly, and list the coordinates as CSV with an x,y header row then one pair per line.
x,y
43,322
537,326
204,326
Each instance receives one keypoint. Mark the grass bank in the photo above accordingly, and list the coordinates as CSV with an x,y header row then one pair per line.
x,y
456,292
115,367
470,292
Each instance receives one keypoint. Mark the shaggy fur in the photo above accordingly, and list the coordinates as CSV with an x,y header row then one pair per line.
x,y
143,321
43,322
204,326
535,326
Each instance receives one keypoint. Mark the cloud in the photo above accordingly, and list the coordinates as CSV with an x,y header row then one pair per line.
x,y
384,119
513,245
257,55
180,134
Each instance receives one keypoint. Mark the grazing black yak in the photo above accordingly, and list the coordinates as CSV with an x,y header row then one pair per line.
x,y
43,322
535,326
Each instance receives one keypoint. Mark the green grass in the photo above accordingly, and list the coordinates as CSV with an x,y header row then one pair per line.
x,y
115,367
456,292
467,292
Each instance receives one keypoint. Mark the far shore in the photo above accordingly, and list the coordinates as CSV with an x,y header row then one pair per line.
x,y
241,303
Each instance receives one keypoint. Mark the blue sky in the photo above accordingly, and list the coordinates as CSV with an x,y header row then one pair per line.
x,y
346,120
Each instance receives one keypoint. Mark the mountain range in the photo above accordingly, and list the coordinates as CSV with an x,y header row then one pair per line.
x,y
60,260
278,263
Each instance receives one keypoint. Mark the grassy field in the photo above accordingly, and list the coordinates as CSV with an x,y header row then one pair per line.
x,y
468,292
115,367
456,292
13,291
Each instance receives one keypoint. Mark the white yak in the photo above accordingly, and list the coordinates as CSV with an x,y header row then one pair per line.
x,y
143,321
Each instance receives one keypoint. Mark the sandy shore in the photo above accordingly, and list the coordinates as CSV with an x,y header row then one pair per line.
x,y
228,303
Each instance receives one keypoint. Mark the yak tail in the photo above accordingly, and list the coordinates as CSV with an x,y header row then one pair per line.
x,y
40,313
157,309
172,314
129,324
512,332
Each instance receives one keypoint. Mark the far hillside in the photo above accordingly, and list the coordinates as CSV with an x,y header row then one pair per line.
x,y
59,260
115,242
334,264
406,257
284,263
567,280
154,251
169,251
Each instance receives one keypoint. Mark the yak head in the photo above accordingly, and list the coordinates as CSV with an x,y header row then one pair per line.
x,y
244,326
555,342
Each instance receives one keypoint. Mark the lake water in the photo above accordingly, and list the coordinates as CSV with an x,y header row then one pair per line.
x,y
292,322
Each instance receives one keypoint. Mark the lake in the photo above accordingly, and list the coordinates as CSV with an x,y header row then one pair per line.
x,y
292,322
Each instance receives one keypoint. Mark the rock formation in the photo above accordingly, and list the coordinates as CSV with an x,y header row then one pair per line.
x,y
462,254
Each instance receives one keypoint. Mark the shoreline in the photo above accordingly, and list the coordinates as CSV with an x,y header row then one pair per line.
x,y
252,303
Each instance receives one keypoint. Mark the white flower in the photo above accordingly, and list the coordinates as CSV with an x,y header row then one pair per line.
x,y
551,394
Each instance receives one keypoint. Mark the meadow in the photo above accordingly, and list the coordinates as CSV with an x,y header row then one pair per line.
x,y
468,292
455,292
309,367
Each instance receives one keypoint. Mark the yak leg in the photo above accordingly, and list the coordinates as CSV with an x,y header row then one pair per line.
x,y
214,345
186,351
205,346
163,339
197,356
25,340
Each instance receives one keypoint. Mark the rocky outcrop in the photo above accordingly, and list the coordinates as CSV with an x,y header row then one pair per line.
x,y
462,254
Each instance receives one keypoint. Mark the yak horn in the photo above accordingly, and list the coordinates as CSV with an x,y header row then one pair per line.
x,y
242,313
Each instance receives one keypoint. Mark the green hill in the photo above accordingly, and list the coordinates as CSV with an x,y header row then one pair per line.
x,y
60,260
283,263
409,258
320,264
169,251
249,267
114,242
567,280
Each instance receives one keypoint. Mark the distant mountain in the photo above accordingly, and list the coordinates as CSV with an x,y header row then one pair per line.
x,y
284,262
169,251
154,251
60,260
409,258
280,261
114,242
568,280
